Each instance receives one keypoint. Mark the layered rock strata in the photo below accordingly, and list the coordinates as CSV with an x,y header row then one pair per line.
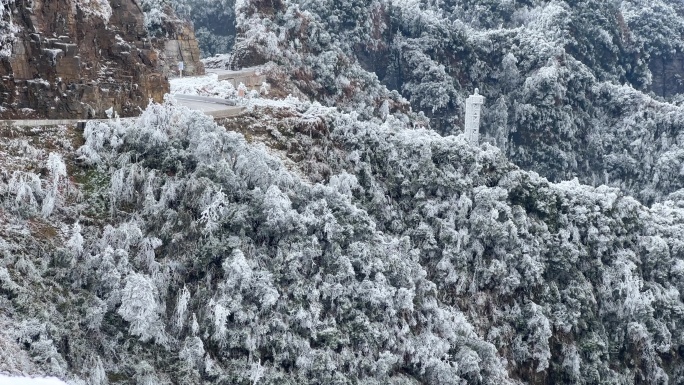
x,y
77,59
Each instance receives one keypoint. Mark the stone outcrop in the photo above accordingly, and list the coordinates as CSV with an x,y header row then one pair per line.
x,y
78,58
181,46
668,74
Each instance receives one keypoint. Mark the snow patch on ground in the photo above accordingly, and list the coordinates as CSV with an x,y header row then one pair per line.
x,y
208,85
6,380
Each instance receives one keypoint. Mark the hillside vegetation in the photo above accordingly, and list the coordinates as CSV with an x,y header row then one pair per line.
x,y
569,85
346,234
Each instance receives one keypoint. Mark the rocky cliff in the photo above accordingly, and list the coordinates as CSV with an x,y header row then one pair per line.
x,y
180,45
668,74
78,58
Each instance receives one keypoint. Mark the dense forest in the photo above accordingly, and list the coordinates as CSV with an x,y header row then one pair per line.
x,y
574,89
342,231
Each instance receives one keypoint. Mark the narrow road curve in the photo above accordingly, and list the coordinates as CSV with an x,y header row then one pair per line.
x,y
218,108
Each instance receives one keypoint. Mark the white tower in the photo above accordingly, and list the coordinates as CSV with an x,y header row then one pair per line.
x,y
472,118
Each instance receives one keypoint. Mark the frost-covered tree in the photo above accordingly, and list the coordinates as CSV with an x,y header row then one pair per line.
x,y
141,309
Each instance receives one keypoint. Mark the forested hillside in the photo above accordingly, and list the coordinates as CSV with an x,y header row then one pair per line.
x,y
574,89
200,257
342,232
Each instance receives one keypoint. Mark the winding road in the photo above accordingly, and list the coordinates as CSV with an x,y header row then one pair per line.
x,y
218,108
215,107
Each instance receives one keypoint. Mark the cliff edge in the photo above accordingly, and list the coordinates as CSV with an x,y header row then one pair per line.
x,y
78,58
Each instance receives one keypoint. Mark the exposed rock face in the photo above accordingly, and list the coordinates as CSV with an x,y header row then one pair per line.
x,y
181,47
78,58
668,74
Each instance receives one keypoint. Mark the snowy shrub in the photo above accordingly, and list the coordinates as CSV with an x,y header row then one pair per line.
x,y
8,29
26,190
139,307
57,170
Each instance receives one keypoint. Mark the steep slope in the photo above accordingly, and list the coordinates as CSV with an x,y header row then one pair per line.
x,y
76,59
566,82
341,240
214,23
198,256
173,37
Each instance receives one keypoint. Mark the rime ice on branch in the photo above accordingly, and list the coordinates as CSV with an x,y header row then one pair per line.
x,y
472,118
